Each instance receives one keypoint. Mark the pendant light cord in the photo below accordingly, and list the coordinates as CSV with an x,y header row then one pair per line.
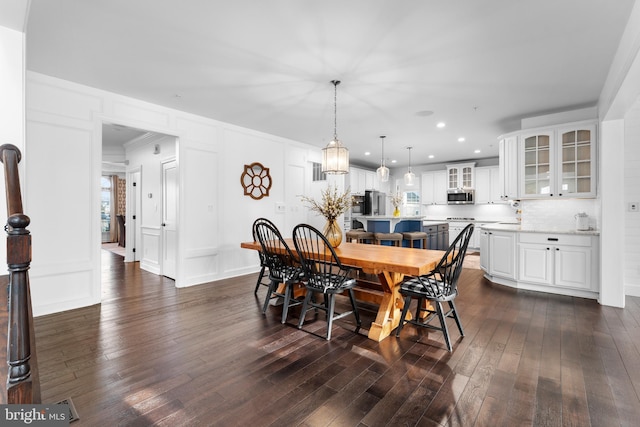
x,y
335,109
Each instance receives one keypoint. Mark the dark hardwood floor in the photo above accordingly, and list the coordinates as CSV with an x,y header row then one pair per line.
x,y
152,354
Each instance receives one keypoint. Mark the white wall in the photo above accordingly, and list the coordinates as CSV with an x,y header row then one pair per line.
x,y
632,194
63,144
11,106
616,109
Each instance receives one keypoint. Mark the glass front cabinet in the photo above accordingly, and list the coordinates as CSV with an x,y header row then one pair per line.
x,y
558,162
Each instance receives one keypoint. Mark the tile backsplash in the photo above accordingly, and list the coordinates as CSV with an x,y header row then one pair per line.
x,y
559,213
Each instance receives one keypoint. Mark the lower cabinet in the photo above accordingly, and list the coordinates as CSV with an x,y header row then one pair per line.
x,y
559,260
549,262
497,253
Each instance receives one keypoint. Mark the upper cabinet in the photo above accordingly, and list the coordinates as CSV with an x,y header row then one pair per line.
x,y
576,162
508,172
488,185
554,162
362,179
460,176
434,188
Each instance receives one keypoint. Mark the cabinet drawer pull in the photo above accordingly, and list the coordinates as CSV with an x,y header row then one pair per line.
x,y
552,239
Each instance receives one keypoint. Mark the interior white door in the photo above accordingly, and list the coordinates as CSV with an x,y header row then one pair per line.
x,y
169,218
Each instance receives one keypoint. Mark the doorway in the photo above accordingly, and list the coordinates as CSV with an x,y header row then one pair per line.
x,y
147,161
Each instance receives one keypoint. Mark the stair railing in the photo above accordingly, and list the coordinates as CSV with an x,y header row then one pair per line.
x,y
23,384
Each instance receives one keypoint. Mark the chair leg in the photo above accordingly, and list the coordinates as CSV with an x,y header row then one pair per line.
x,y
443,324
304,308
272,287
405,309
287,298
259,282
330,309
352,297
454,312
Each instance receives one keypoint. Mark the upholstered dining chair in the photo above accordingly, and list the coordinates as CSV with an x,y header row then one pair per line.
x,y
282,264
263,264
324,274
438,286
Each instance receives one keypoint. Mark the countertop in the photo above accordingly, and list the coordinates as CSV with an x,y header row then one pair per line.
x,y
500,226
389,217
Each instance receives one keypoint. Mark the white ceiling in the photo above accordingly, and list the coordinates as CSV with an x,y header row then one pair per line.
x,y
479,66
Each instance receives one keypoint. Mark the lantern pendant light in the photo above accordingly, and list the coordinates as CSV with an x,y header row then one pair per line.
x,y
335,156
383,171
409,177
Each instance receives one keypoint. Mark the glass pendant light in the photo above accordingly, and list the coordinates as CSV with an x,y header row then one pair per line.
x,y
409,177
383,171
335,156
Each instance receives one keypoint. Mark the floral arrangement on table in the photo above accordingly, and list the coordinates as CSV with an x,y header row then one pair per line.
x,y
396,201
332,205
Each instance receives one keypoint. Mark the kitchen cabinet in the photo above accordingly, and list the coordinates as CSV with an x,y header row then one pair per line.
x,y
433,187
557,260
456,228
508,169
498,253
460,176
488,185
361,180
437,236
558,162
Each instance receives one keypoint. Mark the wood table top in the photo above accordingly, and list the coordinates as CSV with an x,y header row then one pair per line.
x,y
378,258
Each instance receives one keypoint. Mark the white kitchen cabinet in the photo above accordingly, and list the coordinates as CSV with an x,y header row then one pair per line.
x,y
455,228
558,162
483,238
433,187
502,254
576,164
361,180
558,260
488,185
508,172
460,176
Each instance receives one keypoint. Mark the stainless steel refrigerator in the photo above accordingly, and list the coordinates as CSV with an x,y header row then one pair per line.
x,y
375,203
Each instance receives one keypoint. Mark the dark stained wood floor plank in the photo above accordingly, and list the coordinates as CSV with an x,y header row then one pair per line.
x,y
152,354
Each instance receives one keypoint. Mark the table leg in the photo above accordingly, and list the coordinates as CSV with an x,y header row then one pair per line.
x,y
388,317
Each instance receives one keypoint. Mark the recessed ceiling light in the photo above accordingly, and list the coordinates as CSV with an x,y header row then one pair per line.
x,y
441,125
477,151
461,139
394,161
431,156
367,153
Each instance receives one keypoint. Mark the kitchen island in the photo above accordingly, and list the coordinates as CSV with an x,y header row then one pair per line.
x,y
390,223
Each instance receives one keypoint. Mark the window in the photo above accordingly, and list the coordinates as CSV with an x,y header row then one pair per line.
x,y
318,175
105,207
411,198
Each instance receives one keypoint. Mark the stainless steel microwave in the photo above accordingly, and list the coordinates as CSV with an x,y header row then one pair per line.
x,y
461,197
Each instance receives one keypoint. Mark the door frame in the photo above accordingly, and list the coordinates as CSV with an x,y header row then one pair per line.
x,y
163,240
133,234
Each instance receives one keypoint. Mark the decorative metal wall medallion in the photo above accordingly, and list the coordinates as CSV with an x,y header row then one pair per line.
x,y
256,181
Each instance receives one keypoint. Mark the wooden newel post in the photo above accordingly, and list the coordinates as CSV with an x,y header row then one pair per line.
x,y
22,379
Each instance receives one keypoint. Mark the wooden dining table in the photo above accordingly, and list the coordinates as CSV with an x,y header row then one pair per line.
x,y
390,264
